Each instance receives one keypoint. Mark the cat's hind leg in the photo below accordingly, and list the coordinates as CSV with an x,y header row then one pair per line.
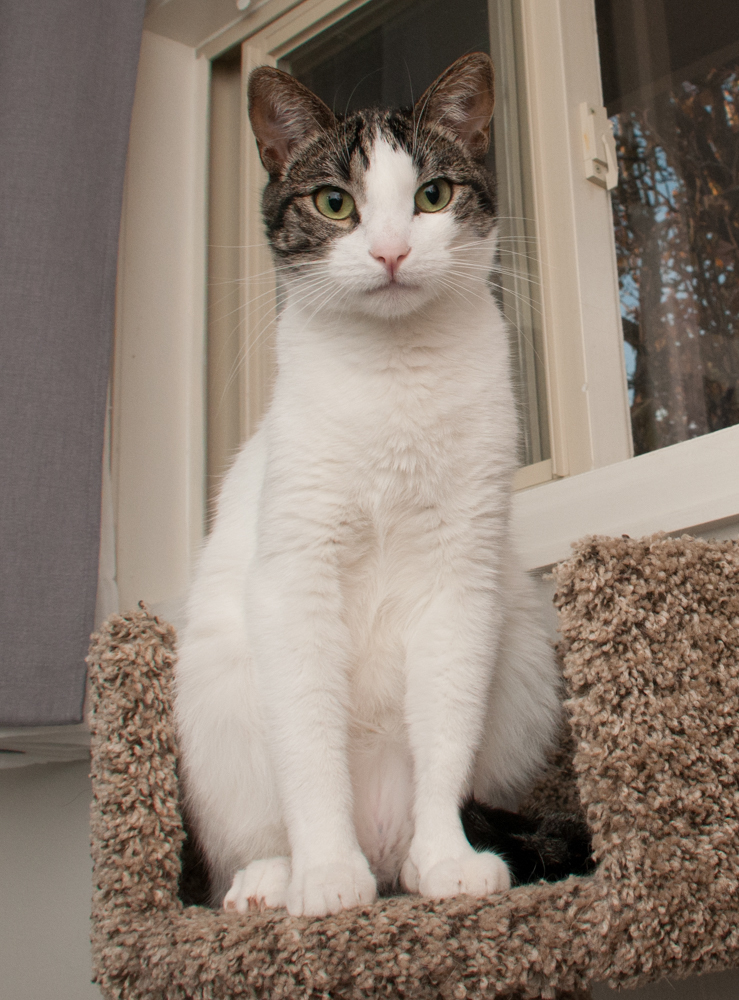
x,y
524,701
261,885
226,768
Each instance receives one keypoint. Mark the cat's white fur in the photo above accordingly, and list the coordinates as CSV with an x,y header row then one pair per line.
x,y
362,651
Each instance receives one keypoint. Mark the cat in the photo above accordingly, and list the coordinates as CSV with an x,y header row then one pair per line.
x,y
362,652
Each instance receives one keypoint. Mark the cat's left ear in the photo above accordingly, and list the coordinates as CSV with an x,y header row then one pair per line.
x,y
462,100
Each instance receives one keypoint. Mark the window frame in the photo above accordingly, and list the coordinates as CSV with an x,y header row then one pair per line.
x,y
586,376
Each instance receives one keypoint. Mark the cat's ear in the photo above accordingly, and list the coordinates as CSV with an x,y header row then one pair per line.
x,y
283,113
462,100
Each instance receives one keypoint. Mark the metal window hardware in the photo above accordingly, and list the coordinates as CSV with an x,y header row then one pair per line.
x,y
598,146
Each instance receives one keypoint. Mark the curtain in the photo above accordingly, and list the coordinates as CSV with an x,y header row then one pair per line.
x,y
67,76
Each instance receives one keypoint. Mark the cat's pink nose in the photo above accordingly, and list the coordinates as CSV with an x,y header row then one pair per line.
x,y
391,257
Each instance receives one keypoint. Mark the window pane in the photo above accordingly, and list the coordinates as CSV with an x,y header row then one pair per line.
x,y
671,85
387,54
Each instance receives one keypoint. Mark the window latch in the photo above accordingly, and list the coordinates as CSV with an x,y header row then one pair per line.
x,y
598,146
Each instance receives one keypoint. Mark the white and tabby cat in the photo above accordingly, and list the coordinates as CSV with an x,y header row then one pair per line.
x,y
362,652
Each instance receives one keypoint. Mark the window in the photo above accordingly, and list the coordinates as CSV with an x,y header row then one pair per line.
x,y
671,85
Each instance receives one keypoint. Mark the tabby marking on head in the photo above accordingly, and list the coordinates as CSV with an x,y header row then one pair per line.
x,y
305,147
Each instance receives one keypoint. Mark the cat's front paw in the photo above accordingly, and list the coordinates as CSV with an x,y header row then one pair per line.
x,y
470,874
261,885
326,889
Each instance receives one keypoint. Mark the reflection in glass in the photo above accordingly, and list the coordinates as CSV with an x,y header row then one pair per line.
x,y
386,54
671,85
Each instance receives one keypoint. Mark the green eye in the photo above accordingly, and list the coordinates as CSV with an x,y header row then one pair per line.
x,y
334,203
434,196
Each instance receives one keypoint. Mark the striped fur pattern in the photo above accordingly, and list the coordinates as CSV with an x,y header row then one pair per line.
x,y
338,151
362,651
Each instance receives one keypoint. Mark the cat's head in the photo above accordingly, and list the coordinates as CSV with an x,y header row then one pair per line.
x,y
381,211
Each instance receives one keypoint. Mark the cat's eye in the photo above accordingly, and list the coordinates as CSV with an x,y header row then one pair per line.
x,y
434,196
333,203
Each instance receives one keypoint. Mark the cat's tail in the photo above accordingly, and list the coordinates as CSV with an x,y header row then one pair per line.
x,y
550,845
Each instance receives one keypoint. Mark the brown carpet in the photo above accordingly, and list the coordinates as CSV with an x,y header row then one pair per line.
x,y
650,643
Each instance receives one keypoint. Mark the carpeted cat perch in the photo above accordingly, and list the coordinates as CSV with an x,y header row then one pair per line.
x,y
651,656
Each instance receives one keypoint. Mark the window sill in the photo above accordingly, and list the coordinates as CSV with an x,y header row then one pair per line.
x,y
22,746
689,487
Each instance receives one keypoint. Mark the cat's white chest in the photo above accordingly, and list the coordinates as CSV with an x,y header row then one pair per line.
x,y
395,425
381,580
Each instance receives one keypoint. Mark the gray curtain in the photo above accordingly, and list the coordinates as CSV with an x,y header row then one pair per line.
x,y
67,76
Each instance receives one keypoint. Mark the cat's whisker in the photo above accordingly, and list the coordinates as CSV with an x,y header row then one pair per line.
x,y
243,282
306,293
471,272
243,357
518,296
227,296
515,218
358,84
252,301
455,249
481,270
468,294
256,337
278,268
516,275
517,239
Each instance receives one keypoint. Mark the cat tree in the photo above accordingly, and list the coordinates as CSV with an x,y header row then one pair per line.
x,y
650,645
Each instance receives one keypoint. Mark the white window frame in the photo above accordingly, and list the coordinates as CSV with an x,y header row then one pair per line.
x,y
159,394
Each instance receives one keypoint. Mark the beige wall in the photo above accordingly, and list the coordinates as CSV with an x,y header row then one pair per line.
x,y
158,441
45,890
45,883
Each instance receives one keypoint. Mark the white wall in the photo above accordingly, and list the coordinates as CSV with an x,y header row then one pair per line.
x,y
157,460
45,883
715,986
45,891
45,868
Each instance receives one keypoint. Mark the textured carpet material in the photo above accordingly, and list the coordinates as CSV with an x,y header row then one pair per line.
x,y
650,634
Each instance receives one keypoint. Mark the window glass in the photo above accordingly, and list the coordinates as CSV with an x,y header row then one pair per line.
x,y
387,54
670,75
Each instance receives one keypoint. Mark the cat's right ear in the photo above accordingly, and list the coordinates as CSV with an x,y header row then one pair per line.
x,y
461,100
283,113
